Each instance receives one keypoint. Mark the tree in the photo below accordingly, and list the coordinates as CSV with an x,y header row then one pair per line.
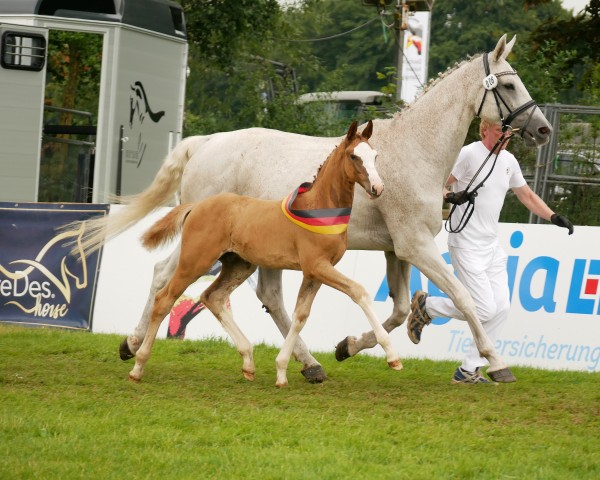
x,y
579,35
220,29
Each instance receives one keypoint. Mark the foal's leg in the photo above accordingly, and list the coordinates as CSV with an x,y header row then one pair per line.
x,y
269,293
163,271
233,273
306,295
398,277
163,303
327,274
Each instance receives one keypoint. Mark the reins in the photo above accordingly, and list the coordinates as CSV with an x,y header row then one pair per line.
x,y
490,82
466,216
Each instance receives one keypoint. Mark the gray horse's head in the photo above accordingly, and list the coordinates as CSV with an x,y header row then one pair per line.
x,y
505,98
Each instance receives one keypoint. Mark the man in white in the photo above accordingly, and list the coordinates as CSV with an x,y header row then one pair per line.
x,y
477,257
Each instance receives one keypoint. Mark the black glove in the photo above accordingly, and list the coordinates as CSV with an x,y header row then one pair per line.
x,y
562,221
458,198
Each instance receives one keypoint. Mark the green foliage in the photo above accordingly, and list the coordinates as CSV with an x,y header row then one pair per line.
x,y
68,411
221,29
580,36
547,74
73,72
459,28
353,58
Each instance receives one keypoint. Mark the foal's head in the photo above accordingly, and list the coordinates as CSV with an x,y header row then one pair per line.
x,y
361,164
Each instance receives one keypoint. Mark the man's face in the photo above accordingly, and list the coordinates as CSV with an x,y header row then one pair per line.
x,y
493,134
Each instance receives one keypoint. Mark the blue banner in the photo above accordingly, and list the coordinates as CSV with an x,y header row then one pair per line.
x,y
41,281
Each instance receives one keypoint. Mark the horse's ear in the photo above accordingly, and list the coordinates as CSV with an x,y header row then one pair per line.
x,y
509,46
498,52
368,131
352,130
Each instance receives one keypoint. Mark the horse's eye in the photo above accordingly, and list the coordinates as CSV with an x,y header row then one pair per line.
x,y
353,157
509,86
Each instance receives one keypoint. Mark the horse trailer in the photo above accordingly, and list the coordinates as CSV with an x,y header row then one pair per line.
x,y
125,61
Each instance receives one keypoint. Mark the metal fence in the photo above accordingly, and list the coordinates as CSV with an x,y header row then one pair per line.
x,y
566,174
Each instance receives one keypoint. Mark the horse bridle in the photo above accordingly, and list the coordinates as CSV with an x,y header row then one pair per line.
x,y
490,82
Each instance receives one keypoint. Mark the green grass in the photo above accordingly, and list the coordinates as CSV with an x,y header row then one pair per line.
x,y
68,411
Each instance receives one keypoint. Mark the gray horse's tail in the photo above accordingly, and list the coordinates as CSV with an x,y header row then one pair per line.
x,y
166,228
160,192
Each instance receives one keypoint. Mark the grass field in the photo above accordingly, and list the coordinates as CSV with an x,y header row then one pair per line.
x,y
68,411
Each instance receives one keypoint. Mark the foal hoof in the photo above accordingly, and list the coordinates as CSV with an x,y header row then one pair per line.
x,y
504,375
341,350
396,364
314,374
124,351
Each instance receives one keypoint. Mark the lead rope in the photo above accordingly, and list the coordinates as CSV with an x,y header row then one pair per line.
x,y
466,216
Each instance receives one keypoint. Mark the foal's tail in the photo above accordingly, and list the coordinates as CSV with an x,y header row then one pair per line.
x,y
166,228
160,192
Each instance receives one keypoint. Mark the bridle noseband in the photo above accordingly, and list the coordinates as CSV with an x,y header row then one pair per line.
x,y
490,82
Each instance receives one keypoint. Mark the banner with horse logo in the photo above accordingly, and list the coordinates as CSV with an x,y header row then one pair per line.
x,y
41,281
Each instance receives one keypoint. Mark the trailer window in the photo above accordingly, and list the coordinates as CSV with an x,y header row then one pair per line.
x,y
23,51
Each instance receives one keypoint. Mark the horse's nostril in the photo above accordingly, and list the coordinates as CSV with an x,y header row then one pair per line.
x,y
545,130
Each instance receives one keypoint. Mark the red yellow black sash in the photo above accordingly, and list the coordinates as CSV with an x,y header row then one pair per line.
x,y
323,220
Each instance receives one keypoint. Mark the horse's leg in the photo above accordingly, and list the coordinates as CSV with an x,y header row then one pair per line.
x,y
398,277
306,295
163,271
327,274
269,293
234,272
430,262
163,303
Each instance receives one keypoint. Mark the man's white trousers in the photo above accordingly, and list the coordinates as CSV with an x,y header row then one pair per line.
x,y
483,273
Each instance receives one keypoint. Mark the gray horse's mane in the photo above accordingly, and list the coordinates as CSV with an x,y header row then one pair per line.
x,y
440,76
448,71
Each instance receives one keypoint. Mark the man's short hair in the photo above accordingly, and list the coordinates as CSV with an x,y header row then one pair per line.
x,y
485,124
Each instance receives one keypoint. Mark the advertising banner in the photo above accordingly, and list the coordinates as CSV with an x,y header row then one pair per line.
x,y
416,55
41,281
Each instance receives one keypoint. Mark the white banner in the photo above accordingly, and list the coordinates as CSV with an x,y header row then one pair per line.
x,y
554,281
416,55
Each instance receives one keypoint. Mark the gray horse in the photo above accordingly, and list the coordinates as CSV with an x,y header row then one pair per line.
x,y
417,147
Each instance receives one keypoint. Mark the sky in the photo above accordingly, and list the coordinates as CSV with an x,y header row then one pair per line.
x,y
575,5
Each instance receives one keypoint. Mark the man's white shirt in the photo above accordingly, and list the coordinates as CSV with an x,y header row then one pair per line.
x,y
482,229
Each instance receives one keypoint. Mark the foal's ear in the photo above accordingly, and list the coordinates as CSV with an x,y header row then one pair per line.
x,y
368,131
352,130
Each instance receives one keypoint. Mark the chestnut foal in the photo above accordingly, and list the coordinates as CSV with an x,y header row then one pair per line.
x,y
306,232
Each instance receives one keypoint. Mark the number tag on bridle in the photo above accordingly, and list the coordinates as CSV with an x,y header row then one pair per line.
x,y
490,82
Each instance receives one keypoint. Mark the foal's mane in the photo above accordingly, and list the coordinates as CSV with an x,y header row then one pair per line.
x,y
324,162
